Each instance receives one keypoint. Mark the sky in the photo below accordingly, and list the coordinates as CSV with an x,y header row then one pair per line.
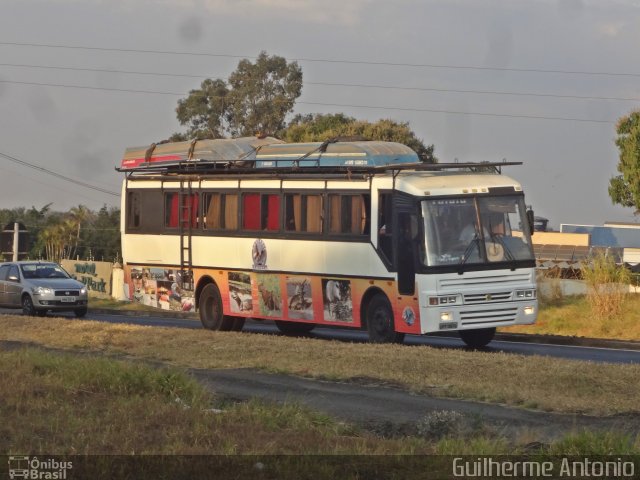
x,y
541,82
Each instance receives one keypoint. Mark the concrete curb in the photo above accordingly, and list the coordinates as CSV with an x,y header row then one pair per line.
x,y
559,340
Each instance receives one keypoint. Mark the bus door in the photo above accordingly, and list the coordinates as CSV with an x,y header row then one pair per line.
x,y
406,247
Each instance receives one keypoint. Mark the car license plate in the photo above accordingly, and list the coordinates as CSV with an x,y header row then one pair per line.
x,y
67,299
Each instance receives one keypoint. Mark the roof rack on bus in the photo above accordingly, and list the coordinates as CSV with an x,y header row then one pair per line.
x,y
231,167
269,156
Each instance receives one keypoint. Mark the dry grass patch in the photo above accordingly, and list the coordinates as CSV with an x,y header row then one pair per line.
x,y
64,404
536,382
573,317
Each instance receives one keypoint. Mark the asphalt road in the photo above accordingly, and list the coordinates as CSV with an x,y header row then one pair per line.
x,y
594,354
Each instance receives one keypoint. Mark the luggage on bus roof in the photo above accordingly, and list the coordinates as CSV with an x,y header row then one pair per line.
x,y
219,150
360,153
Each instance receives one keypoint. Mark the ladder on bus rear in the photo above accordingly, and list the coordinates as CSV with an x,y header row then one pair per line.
x,y
185,220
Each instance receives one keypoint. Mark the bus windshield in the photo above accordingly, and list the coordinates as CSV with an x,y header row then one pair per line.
x,y
476,230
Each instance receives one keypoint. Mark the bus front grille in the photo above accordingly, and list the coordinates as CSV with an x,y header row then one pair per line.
x,y
498,315
473,298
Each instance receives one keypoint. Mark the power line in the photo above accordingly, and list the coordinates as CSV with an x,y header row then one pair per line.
x,y
328,60
47,185
483,114
330,84
58,175
376,107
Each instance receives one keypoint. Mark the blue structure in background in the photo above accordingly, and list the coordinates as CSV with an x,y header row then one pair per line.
x,y
615,237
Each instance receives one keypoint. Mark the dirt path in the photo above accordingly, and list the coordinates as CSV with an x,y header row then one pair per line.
x,y
390,410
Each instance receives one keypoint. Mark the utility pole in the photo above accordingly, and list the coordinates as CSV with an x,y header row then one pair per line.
x,y
14,241
16,238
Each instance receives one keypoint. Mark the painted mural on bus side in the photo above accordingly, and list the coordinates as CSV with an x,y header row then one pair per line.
x,y
240,298
269,295
338,306
162,288
299,298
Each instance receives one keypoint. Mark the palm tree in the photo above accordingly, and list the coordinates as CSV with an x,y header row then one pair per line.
x,y
78,215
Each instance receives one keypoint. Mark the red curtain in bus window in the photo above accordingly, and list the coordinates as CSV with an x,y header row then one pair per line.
x,y
273,212
251,211
173,206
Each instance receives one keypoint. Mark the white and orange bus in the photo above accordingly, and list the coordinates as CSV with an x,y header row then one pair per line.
x,y
349,234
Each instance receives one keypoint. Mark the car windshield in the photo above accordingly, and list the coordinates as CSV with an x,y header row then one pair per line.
x,y
476,230
43,270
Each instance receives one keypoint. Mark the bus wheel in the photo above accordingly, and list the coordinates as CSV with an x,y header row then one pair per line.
x,y
211,313
477,338
294,328
380,324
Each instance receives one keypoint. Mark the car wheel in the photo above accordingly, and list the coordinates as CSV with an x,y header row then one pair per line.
x,y
211,313
27,306
380,323
80,312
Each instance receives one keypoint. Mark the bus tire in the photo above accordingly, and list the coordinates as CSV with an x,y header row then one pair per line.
x,y
477,338
294,328
211,312
380,322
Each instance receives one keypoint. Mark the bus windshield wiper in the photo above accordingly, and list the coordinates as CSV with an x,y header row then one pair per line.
x,y
467,252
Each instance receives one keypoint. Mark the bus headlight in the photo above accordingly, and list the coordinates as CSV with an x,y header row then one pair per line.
x,y
445,316
528,310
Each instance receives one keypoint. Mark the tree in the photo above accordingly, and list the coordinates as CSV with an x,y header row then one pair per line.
x,y
205,111
79,215
256,99
262,94
624,189
321,127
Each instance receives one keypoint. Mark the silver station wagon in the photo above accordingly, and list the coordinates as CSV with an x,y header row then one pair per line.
x,y
38,287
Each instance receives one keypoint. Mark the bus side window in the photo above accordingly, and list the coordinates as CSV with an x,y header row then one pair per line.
x,y
348,214
177,206
220,211
303,213
270,216
133,215
261,211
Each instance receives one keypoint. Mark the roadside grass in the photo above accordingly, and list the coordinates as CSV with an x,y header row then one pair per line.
x,y
57,404
572,316
526,381
64,404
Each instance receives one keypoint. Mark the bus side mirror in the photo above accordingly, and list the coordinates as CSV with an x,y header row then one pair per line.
x,y
530,219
